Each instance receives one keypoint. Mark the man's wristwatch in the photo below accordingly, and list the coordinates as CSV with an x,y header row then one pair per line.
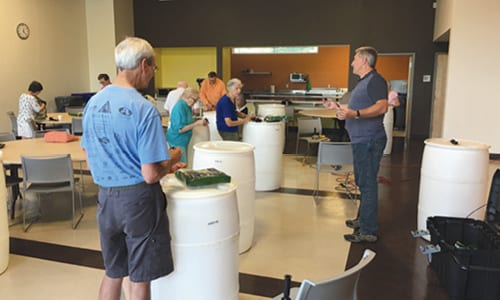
x,y
358,115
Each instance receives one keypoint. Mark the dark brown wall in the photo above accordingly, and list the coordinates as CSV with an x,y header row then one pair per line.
x,y
389,25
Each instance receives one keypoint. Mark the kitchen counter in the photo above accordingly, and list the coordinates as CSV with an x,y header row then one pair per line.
x,y
296,95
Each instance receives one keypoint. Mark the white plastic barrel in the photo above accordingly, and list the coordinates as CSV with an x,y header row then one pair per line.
x,y
212,125
267,138
388,126
237,160
453,180
200,134
4,223
204,227
264,110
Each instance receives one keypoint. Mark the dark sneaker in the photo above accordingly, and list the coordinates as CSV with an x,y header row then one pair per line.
x,y
358,237
354,223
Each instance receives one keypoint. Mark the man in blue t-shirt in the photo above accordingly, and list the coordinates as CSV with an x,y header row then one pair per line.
x,y
364,115
127,156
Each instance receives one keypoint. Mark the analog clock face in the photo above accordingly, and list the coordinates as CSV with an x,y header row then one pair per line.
x,y
23,31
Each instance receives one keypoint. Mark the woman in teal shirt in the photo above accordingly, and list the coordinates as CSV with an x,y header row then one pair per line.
x,y
181,122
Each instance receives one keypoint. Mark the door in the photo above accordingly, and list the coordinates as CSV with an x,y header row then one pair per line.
x,y
397,68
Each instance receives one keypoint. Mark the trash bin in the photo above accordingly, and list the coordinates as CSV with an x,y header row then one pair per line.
x,y
388,126
200,134
205,228
212,125
468,265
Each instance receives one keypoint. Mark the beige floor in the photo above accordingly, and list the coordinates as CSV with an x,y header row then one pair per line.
x,y
292,235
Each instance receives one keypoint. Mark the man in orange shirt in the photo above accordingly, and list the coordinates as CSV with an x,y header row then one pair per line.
x,y
212,89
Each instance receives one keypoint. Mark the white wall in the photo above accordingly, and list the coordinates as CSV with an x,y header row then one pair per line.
x,y
442,21
101,40
55,54
472,105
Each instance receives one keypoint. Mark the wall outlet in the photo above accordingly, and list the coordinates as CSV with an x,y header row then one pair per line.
x,y
426,78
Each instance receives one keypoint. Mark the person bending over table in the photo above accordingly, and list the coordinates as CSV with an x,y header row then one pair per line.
x,y
211,90
226,114
29,107
181,122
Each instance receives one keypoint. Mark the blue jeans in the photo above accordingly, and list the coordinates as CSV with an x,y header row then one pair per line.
x,y
367,158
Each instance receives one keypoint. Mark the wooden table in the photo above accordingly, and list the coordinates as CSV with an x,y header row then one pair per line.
x,y
320,113
65,122
14,149
11,156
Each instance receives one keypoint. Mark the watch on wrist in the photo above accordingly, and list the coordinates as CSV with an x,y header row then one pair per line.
x,y
358,115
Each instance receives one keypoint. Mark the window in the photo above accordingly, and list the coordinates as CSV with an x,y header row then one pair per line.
x,y
275,50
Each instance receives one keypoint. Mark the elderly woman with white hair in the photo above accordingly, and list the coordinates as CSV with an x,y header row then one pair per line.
x,y
228,118
181,122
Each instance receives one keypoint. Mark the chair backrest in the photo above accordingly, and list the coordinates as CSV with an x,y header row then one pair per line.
x,y
47,169
308,126
7,136
76,125
343,286
13,122
334,153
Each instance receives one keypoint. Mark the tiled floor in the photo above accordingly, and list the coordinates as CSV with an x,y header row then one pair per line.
x,y
292,235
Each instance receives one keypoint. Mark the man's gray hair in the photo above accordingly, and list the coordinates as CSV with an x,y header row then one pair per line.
x,y
369,53
130,52
232,83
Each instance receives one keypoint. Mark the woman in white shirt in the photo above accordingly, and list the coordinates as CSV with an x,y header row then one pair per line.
x,y
28,108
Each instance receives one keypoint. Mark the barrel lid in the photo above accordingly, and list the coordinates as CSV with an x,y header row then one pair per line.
x,y
456,143
224,146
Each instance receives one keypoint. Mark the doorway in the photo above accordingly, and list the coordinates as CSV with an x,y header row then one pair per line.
x,y
398,70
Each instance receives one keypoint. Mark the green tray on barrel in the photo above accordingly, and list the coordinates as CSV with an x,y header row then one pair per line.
x,y
202,177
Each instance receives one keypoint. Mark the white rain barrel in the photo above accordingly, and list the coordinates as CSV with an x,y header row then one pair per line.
x,y
265,110
212,125
453,180
204,227
236,159
4,223
200,134
388,126
267,138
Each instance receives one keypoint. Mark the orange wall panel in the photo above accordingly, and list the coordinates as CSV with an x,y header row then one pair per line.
x,y
393,67
328,67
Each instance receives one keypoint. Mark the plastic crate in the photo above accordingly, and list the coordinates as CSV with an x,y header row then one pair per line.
x,y
468,264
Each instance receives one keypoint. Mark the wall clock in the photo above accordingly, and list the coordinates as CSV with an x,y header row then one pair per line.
x,y
23,31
